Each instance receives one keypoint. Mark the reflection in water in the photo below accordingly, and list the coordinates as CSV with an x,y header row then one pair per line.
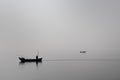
x,y
37,63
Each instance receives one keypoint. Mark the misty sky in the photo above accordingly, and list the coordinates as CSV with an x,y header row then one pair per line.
x,y
60,27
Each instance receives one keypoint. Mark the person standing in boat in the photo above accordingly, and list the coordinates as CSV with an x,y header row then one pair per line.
x,y
37,55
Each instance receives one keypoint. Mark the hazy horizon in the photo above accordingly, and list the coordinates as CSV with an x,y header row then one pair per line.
x,y
60,28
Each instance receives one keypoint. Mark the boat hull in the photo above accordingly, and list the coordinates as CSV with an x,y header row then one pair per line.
x,y
30,60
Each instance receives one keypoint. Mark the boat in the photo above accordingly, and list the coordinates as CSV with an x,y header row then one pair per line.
x,y
22,59
83,51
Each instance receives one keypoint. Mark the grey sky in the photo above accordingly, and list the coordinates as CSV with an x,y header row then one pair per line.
x,y
60,26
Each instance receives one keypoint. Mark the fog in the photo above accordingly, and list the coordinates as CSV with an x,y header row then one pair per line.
x,y
60,28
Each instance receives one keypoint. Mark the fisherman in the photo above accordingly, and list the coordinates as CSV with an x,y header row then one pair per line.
x,y
36,57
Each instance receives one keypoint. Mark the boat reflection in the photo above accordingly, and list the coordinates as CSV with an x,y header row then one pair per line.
x,y
24,63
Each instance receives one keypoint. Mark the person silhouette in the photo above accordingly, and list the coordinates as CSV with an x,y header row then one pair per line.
x,y
37,57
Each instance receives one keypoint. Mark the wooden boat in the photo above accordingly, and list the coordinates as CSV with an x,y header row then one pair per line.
x,y
22,59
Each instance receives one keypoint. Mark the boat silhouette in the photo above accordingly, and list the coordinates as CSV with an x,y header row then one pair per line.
x,y
83,51
22,59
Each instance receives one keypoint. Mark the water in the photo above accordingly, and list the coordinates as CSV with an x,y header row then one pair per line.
x,y
61,69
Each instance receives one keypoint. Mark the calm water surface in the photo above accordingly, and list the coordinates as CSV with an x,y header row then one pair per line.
x,y
64,69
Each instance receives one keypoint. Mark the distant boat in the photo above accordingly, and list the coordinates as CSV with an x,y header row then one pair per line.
x,y
22,59
82,51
